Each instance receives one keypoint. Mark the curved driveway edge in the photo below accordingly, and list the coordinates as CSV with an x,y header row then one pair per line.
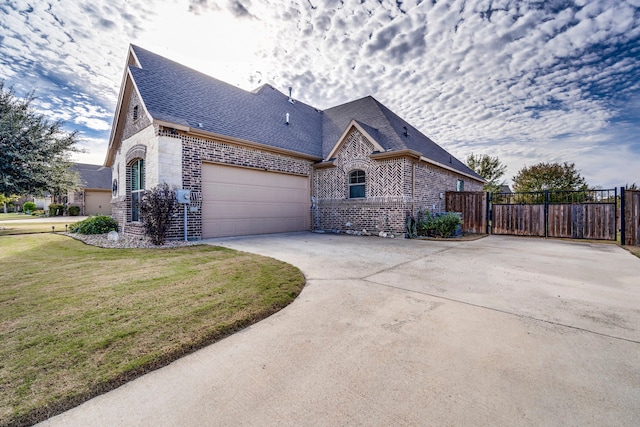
x,y
497,331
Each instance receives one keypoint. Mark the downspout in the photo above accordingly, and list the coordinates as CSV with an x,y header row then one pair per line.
x,y
413,187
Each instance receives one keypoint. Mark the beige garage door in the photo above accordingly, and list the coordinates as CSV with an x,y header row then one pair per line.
x,y
240,201
97,202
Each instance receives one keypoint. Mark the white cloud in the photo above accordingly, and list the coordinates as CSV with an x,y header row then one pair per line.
x,y
521,79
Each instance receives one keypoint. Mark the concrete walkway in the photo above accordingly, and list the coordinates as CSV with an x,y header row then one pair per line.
x,y
497,331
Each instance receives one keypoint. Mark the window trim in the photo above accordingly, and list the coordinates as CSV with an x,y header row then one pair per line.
x,y
360,182
137,167
460,185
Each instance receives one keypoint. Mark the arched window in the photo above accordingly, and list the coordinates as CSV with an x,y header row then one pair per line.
x,y
357,181
137,187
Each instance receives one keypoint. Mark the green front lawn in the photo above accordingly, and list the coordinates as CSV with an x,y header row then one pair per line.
x,y
14,216
76,320
9,228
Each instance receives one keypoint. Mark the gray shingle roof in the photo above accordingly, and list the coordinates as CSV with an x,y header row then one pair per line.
x,y
180,95
93,176
177,94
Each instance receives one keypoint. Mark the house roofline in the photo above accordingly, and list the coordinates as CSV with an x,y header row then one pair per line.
x,y
452,169
353,123
242,142
119,117
399,153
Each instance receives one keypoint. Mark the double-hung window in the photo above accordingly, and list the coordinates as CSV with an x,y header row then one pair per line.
x,y
357,184
137,188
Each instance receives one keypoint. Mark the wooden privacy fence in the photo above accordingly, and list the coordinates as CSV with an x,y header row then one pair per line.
x,y
595,221
472,205
630,224
519,220
587,214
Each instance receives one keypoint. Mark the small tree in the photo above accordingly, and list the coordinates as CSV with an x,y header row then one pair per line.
x,y
490,168
34,152
156,209
549,176
6,200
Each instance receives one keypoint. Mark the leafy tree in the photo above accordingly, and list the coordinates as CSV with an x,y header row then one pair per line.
x,y
549,176
632,187
156,208
490,168
34,152
5,200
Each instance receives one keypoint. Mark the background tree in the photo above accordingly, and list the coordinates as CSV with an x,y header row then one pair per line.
x,y
6,200
549,176
490,168
35,153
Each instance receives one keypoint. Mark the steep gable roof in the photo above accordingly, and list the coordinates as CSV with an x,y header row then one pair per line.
x,y
93,176
174,94
389,130
177,94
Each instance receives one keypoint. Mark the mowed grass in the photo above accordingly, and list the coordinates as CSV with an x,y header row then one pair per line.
x,y
12,216
77,320
12,227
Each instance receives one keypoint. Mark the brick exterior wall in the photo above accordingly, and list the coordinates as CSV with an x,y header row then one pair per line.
x,y
394,188
196,150
131,127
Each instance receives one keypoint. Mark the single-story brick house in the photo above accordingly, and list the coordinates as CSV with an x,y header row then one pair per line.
x,y
262,162
94,195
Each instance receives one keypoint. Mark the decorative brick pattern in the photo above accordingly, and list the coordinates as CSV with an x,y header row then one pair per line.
x,y
394,188
131,127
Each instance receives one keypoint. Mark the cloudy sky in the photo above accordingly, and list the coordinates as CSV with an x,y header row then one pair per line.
x,y
527,81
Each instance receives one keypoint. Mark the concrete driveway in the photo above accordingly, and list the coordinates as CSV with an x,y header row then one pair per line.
x,y
497,331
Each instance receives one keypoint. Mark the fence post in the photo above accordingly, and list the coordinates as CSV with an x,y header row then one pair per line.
x,y
546,213
622,218
488,212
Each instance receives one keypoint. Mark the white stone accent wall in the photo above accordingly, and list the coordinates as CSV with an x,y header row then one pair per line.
x,y
168,168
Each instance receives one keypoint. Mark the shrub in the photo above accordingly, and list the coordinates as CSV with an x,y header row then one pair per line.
x,y
74,210
156,208
56,209
29,207
443,225
99,224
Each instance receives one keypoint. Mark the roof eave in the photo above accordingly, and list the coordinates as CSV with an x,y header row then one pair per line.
x,y
353,123
242,142
452,169
395,154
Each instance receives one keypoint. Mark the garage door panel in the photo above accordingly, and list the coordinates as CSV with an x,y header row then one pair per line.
x,y
97,202
241,201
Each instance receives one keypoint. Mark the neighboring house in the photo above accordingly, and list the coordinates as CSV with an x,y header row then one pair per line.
x,y
94,195
504,188
43,202
261,162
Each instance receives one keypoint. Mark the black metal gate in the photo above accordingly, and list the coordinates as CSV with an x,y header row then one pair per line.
x,y
586,214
